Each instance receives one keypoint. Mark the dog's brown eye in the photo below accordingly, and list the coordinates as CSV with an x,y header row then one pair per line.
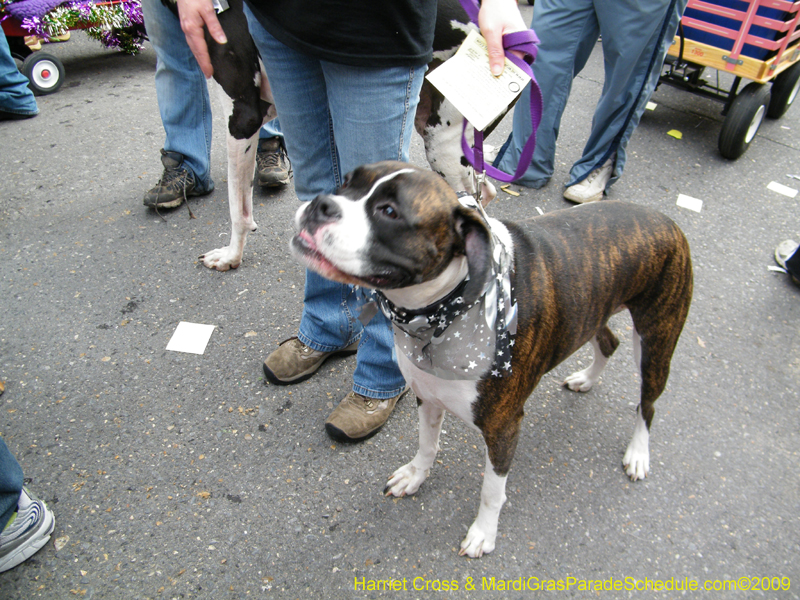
x,y
388,211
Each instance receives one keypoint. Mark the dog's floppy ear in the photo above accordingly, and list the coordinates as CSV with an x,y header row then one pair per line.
x,y
474,233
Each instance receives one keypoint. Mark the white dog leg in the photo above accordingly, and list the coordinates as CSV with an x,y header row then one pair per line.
x,y
582,381
636,460
483,532
637,457
407,479
241,169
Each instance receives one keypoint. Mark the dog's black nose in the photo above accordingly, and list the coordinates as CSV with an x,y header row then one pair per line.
x,y
323,209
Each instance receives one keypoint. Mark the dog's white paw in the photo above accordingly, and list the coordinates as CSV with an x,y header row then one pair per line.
x,y
405,481
222,259
636,462
637,457
580,381
478,542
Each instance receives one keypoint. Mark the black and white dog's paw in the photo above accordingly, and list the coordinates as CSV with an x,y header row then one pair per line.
x,y
222,259
405,481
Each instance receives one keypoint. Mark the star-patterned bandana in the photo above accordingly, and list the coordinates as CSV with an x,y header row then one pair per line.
x,y
452,340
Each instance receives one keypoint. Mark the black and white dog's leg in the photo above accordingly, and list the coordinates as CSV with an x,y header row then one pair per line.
x,y
603,345
439,124
247,102
407,479
241,170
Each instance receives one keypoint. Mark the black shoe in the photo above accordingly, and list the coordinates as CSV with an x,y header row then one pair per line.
x,y
12,116
177,183
272,163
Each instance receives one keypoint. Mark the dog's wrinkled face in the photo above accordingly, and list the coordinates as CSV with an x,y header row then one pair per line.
x,y
391,225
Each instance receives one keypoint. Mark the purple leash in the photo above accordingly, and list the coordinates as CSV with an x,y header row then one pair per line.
x,y
524,42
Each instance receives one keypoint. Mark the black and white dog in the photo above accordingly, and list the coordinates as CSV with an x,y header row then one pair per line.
x,y
481,311
247,101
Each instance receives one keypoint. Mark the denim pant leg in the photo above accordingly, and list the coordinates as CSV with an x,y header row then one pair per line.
x,y
372,112
270,129
636,35
567,30
10,484
182,92
335,118
15,95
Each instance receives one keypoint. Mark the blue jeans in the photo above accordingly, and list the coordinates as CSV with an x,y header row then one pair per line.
x,y
15,95
183,93
10,483
635,35
334,118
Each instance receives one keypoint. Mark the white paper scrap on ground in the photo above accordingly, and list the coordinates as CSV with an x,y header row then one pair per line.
x,y
782,189
190,337
650,106
465,80
690,203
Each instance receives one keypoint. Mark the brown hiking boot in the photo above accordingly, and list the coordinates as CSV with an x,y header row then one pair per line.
x,y
294,362
273,168
358,417
177,183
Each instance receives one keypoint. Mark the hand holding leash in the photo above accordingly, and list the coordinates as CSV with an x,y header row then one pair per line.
x,y
495,19
521,46
195,15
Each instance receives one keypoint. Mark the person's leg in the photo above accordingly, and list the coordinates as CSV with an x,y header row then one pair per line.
x,y
372,113
300,95
10,484
303,91
567,30
16,98
636,35
317,106
182,93
270,129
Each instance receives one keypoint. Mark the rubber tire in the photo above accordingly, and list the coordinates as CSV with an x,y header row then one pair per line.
x,y
45,73
743,120
785,88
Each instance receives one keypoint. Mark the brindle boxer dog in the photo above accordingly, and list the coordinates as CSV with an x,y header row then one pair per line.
x,y
246,98
481,311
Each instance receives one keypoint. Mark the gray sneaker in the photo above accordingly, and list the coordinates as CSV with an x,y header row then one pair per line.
x,y
177,183
27,531
294,362
358,417
273,167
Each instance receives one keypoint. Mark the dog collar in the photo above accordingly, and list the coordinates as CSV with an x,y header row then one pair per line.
x,y
453,340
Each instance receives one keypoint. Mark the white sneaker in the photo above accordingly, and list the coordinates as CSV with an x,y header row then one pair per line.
x,y
591,189
28,530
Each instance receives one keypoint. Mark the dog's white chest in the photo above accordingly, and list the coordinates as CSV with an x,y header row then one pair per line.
x,y
455,396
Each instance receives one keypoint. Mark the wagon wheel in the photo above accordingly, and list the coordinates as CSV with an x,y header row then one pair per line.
x,y
45,73
743,120
784,90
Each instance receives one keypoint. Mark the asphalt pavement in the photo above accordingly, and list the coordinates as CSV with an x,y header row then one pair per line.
x,y
176,475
